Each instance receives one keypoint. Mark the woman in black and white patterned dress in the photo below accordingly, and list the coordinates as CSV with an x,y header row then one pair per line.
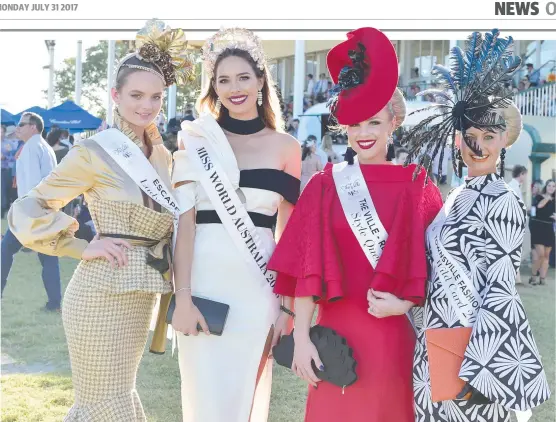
x,y
474,248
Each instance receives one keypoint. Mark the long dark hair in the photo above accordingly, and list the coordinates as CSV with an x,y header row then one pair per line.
x,y
545,186
306,152
270,110
53,137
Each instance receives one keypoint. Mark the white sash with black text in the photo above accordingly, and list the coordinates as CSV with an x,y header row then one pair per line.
x,y
359,210
459,289
230,209
133,161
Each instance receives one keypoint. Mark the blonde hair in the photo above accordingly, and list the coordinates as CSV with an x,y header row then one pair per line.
x,y
514,122
396,107
327,143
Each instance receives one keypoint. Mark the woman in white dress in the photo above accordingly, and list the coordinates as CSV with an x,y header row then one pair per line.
x,y
228,377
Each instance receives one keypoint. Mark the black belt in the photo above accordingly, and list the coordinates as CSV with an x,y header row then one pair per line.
x,y
260,220
159,256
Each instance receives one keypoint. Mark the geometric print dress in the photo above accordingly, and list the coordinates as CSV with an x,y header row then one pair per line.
x,y
483,233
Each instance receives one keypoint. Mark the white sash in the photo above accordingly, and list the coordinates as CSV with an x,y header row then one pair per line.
x,y
459,289
133,161
359,210
230,209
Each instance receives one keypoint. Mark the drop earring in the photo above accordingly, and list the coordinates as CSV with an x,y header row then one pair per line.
x,y
260,98
502,156
460,164
218,104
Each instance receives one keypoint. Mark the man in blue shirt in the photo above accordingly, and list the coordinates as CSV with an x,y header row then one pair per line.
x,y
35,161
533,75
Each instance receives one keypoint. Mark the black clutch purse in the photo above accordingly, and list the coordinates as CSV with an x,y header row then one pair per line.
x,y
334,352
215,313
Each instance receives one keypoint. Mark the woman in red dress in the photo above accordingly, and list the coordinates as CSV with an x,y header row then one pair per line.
x,y
362,295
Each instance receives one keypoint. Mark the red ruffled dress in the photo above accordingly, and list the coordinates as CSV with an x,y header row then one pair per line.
x,y
318,255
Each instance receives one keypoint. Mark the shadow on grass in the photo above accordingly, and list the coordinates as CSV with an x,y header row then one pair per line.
x,y
35,339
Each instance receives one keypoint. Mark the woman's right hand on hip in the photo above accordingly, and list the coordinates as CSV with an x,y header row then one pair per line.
x,y
304,354
186,317
111,249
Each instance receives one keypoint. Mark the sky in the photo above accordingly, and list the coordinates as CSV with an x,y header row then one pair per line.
x,y
22,77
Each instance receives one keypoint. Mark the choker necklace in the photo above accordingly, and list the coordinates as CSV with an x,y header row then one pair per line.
x,y
242,127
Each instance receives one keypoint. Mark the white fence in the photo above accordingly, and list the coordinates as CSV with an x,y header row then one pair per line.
x,y
533,102
537,101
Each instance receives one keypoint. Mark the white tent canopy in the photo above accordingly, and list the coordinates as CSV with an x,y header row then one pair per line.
x,y
310,121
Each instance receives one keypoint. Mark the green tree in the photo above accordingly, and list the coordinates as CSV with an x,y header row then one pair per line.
x,y
94,77
187,94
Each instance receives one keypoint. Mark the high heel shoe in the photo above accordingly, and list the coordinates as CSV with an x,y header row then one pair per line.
x,y
533,281
542,281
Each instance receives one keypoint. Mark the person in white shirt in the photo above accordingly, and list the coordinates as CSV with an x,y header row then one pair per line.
x,y
36,160
310,86
519,174
321,88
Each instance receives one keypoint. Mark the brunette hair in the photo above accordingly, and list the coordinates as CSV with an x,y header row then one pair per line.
x,y
269,112
545,186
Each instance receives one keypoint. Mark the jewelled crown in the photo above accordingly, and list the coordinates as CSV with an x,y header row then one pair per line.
x,y
232,38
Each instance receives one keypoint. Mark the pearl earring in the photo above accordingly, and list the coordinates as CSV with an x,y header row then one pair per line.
x,y
260,98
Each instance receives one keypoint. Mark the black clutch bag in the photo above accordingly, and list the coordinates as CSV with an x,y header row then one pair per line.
x,y
215,313
334,352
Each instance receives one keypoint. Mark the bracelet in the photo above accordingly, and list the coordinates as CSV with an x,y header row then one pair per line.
x,y
183,288
286,310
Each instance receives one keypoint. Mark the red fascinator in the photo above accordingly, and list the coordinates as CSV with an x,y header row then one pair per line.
x,y
365,71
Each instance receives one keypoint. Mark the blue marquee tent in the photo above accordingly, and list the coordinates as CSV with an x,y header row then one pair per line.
x,y
7,118
36,109
70,116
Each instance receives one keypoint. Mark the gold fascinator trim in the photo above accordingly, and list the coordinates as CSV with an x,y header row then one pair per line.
x,y
232,38
166,48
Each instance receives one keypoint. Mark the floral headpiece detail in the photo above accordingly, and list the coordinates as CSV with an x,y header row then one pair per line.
x,y
350,76
232,38
166,49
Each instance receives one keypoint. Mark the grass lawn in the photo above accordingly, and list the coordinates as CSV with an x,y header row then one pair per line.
x,y
35,340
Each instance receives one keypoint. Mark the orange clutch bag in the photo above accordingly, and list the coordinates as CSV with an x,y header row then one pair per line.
x,y
446,348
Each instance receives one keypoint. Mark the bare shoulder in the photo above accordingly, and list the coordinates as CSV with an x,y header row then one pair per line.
x,y
286,141
289,151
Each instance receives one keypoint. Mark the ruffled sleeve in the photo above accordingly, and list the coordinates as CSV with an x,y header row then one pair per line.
x,y
37,220
402,268
184,177
306,258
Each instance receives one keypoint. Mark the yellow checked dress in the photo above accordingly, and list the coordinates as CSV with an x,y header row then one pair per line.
x,y
106,311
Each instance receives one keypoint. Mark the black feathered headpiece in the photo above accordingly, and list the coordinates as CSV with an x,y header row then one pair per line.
x,y
473,88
